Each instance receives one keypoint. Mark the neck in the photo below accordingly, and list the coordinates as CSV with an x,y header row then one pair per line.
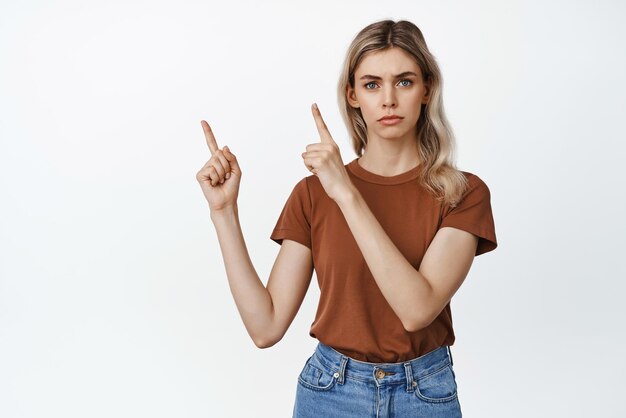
x,y
389,159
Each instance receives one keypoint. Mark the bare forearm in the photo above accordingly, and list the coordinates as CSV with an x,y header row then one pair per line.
x,y
251,297
404,288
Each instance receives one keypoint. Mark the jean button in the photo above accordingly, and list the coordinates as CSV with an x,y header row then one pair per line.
x,y
380,374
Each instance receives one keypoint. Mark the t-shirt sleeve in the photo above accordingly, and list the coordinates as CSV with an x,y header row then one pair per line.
x,y
473,214
294,222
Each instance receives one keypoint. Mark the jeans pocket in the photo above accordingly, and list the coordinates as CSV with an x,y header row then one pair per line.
x,y
317,376
439,386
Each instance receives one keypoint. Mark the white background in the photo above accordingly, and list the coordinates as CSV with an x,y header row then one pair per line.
x,y
113,296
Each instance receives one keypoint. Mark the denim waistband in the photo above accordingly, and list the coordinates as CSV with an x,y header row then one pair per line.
x,y
383,373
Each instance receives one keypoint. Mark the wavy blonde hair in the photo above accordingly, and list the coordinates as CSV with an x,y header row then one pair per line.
x,y
436,143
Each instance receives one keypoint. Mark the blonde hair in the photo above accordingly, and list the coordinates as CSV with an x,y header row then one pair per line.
x,y
436,143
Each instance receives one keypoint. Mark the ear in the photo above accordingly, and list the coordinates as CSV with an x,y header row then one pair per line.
x,y
351,97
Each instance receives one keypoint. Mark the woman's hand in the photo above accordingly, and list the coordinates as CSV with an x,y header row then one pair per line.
x,y
324,160
219,178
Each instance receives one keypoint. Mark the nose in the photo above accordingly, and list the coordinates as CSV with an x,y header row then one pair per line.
x,y
389,99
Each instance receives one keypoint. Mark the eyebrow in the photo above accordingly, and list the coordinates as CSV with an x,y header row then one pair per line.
x,y
375,77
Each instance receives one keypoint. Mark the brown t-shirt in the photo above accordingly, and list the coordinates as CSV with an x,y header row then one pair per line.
x,y
353,316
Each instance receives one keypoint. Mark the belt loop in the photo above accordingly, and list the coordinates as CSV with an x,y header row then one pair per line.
x,y
342,368
409,376
450,354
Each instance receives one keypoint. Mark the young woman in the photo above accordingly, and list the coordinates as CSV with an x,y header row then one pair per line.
x,y
391,236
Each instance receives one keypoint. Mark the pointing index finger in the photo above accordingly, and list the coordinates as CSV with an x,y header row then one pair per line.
x,y
210,139
321,125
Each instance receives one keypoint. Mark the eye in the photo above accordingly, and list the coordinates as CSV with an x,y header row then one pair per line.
x,y
401,81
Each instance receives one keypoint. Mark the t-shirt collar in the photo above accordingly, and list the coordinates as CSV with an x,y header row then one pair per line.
x,y
370,177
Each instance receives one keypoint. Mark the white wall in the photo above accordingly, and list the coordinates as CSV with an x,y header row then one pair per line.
x,y
113,295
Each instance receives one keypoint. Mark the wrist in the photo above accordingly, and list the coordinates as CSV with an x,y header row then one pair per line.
x,y
225,212
350,196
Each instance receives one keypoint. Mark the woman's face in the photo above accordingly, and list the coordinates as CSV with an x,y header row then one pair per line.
x,y
389,82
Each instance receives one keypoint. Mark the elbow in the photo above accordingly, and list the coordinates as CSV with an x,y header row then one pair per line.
x,y
412,327
267,335
416,324
265,342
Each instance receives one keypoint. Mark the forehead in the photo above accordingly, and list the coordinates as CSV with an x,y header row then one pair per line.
x,y
387,63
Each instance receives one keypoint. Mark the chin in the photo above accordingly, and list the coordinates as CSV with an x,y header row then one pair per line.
x,y
392,132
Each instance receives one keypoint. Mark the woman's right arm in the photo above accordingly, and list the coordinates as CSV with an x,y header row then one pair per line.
x,y
268,311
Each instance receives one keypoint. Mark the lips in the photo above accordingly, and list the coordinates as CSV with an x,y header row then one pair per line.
x,y
390,117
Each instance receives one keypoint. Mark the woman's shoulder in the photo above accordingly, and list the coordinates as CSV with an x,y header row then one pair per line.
x,y
473,179
476,186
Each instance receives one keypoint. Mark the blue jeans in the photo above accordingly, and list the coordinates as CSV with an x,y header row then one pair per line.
x,y
334,385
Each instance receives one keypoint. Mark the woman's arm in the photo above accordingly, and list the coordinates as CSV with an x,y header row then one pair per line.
x,y
416,299
268,312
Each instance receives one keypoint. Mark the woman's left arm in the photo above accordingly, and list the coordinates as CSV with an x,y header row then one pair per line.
x,y
416,296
